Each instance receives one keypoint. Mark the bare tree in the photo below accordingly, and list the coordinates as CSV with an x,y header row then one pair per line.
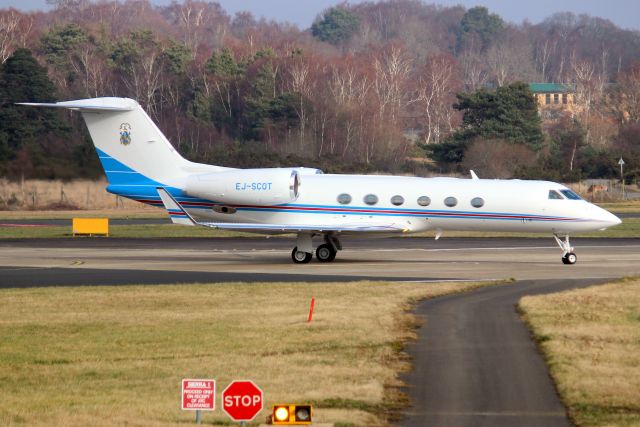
x,y
392,70
14,31
544,51
474,70
303,86
437,83
199,22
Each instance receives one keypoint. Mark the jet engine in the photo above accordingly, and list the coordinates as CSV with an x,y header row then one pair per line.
x,y
261,187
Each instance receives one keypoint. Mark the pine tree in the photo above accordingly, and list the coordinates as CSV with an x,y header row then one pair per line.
x,y
508,113
22,79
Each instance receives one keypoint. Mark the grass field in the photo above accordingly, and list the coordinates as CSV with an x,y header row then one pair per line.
x,y
591,341
626,206
116,355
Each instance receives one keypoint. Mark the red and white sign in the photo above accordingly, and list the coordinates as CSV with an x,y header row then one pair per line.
x,y
242,400
198,395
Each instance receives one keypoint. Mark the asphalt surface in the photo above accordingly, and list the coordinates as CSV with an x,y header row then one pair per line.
x,y
264,243
32,277
476,365
111,261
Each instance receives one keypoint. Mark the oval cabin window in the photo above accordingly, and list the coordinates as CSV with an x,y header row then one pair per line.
x,y
451,201
344,199
371,199
397,200
424,201
477,202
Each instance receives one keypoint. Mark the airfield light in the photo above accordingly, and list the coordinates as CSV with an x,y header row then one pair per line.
x,y
281,413
291,414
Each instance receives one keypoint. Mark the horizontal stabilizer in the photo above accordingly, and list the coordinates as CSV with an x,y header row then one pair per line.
x,y
90,105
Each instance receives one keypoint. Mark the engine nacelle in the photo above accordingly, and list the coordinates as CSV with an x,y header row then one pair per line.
x,y
262,187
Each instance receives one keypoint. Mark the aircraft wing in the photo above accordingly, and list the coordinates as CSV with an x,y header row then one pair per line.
x,y
297,228
180,216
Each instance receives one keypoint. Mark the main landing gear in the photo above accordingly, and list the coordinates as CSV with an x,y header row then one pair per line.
x,y
568,256
326,252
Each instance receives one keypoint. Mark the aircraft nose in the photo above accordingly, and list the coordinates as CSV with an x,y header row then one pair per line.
x,y
608,218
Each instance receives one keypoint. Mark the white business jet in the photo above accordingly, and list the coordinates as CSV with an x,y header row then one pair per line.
x,y
141,164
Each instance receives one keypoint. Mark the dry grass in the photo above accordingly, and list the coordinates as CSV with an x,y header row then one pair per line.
x,y
142,213
627,206
116,355
591,340
43,194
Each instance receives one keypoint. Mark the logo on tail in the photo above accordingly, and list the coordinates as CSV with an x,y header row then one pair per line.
x,y
125,134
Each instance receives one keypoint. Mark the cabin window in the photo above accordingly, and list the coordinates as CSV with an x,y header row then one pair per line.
x,y
397,200
570,195
424,201
564,98
556,98
477,202
451,201
371,199
547,99
554,195
344,199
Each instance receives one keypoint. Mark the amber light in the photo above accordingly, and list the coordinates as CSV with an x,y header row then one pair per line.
x,y
291,415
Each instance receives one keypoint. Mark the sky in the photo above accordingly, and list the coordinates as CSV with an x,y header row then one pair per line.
x,y
624,13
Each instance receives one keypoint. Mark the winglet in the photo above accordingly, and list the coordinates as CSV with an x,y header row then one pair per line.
x,y
176,212
473,174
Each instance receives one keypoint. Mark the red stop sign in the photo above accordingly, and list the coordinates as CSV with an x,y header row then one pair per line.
x,y
242,400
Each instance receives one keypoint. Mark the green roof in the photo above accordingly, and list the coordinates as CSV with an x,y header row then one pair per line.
x,y
550,87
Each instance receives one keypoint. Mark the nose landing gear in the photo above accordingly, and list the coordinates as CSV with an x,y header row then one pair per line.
x,y
568,256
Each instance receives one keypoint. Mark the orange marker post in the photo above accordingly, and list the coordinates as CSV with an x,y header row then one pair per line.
x,y
313,303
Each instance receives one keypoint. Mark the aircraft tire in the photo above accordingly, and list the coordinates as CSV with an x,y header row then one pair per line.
x,y
300,257
325,253
570,258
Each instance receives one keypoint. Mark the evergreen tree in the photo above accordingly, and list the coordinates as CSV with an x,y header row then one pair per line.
x,y
478,24
58,43
336,25
509,113
24,129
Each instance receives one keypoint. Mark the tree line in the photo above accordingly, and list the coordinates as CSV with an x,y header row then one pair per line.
x,y
392,86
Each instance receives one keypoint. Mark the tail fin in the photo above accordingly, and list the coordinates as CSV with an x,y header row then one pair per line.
x,y
131,148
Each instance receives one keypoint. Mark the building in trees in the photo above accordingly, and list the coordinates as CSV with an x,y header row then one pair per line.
x,y
554,99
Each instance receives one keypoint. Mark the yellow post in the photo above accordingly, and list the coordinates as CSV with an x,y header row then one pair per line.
x,y
90,226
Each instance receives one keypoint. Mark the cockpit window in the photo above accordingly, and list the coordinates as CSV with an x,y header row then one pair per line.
x,y
570,195
554,195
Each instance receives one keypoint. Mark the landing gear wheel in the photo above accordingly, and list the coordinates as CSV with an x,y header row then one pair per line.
x,y
300,257
569,258
325,253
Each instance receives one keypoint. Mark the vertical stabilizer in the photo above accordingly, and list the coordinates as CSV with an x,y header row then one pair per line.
x,y
132,150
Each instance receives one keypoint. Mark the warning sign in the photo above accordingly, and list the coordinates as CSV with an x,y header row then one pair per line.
x,y
198,394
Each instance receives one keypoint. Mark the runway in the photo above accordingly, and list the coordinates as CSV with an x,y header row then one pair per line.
x,y
109,261
474,362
